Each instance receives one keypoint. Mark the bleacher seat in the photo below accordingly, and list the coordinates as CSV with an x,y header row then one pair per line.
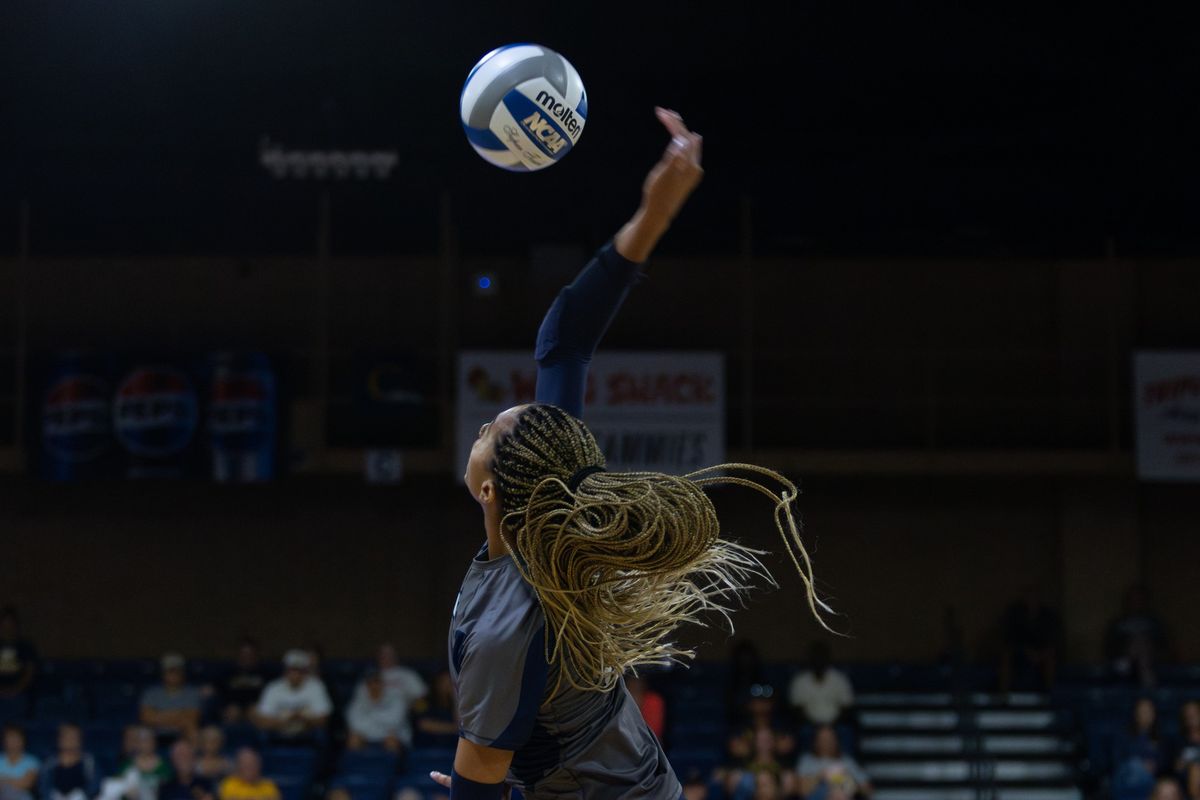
x,y
372,762
364,787
292,762
422,760
291,787
115,701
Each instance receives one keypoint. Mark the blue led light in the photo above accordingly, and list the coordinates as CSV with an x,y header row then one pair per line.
x,y
485,282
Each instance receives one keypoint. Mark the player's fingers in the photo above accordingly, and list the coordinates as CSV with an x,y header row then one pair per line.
x,y
440,779
672,122
697,147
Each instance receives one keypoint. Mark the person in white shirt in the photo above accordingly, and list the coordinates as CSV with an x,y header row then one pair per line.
x,y
402,682
376,716
399,679
296,704
821,694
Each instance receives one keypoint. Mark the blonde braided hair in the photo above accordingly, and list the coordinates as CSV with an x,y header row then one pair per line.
x,y
621,559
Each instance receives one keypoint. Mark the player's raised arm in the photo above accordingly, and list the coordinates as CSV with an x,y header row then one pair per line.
x,y
584,309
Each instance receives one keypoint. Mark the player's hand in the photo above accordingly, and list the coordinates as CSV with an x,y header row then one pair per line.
x,y
677,173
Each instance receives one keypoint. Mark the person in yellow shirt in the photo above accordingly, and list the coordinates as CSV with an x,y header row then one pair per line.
x,y
247,781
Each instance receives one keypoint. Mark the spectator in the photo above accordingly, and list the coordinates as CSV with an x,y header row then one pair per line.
x,y
1188,752
400,680
759,744
70,774
695,786
18,666
1140,756
768,786
172,709
139,776
763,758
1032,633
437,715
377,717
1137,639
1166,789
650,702
18,769
821,694
247,781
186,784
211,762
241,690
826,774
295,705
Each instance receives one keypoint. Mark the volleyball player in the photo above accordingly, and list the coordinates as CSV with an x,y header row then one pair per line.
x,y
586,573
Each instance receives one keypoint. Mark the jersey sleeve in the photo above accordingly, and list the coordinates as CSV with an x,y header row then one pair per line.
x,y
572,328
502,678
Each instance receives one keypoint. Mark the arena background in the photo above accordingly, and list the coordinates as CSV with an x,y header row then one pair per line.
x,y
929,244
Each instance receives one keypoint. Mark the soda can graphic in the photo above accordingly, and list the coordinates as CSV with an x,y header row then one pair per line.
x,y
242,418
76,421
155,414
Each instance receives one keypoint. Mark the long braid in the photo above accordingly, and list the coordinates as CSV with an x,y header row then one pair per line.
x,y
626,557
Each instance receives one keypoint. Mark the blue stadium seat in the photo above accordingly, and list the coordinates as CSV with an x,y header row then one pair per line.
x,y
239,736
291,787
373,762
115,701
291,762
701,759
41,737
422,760
65,707
103,740
364,787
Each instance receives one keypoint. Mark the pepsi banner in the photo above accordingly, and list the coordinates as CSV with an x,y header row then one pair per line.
x,y
74,420
659,411
242,418
1167,408
109,417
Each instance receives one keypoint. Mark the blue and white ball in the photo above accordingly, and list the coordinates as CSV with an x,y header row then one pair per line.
x,y
523,107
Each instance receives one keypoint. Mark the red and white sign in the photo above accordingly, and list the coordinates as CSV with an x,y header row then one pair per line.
x,y
660,411
1167,409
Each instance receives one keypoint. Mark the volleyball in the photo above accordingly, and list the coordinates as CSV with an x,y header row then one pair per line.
x,y
523,107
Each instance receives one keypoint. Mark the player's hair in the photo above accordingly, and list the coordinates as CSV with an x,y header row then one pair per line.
x,y
620,559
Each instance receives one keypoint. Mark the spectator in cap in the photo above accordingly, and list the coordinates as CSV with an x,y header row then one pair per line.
x,y
172,709
377,716
295,705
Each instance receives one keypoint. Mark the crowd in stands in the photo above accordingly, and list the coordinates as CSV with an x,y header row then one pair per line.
x,y
286,730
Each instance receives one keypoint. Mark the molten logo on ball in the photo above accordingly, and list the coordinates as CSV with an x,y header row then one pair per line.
x,y
562,111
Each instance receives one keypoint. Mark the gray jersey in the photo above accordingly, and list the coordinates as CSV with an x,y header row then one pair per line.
x,y
571,744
